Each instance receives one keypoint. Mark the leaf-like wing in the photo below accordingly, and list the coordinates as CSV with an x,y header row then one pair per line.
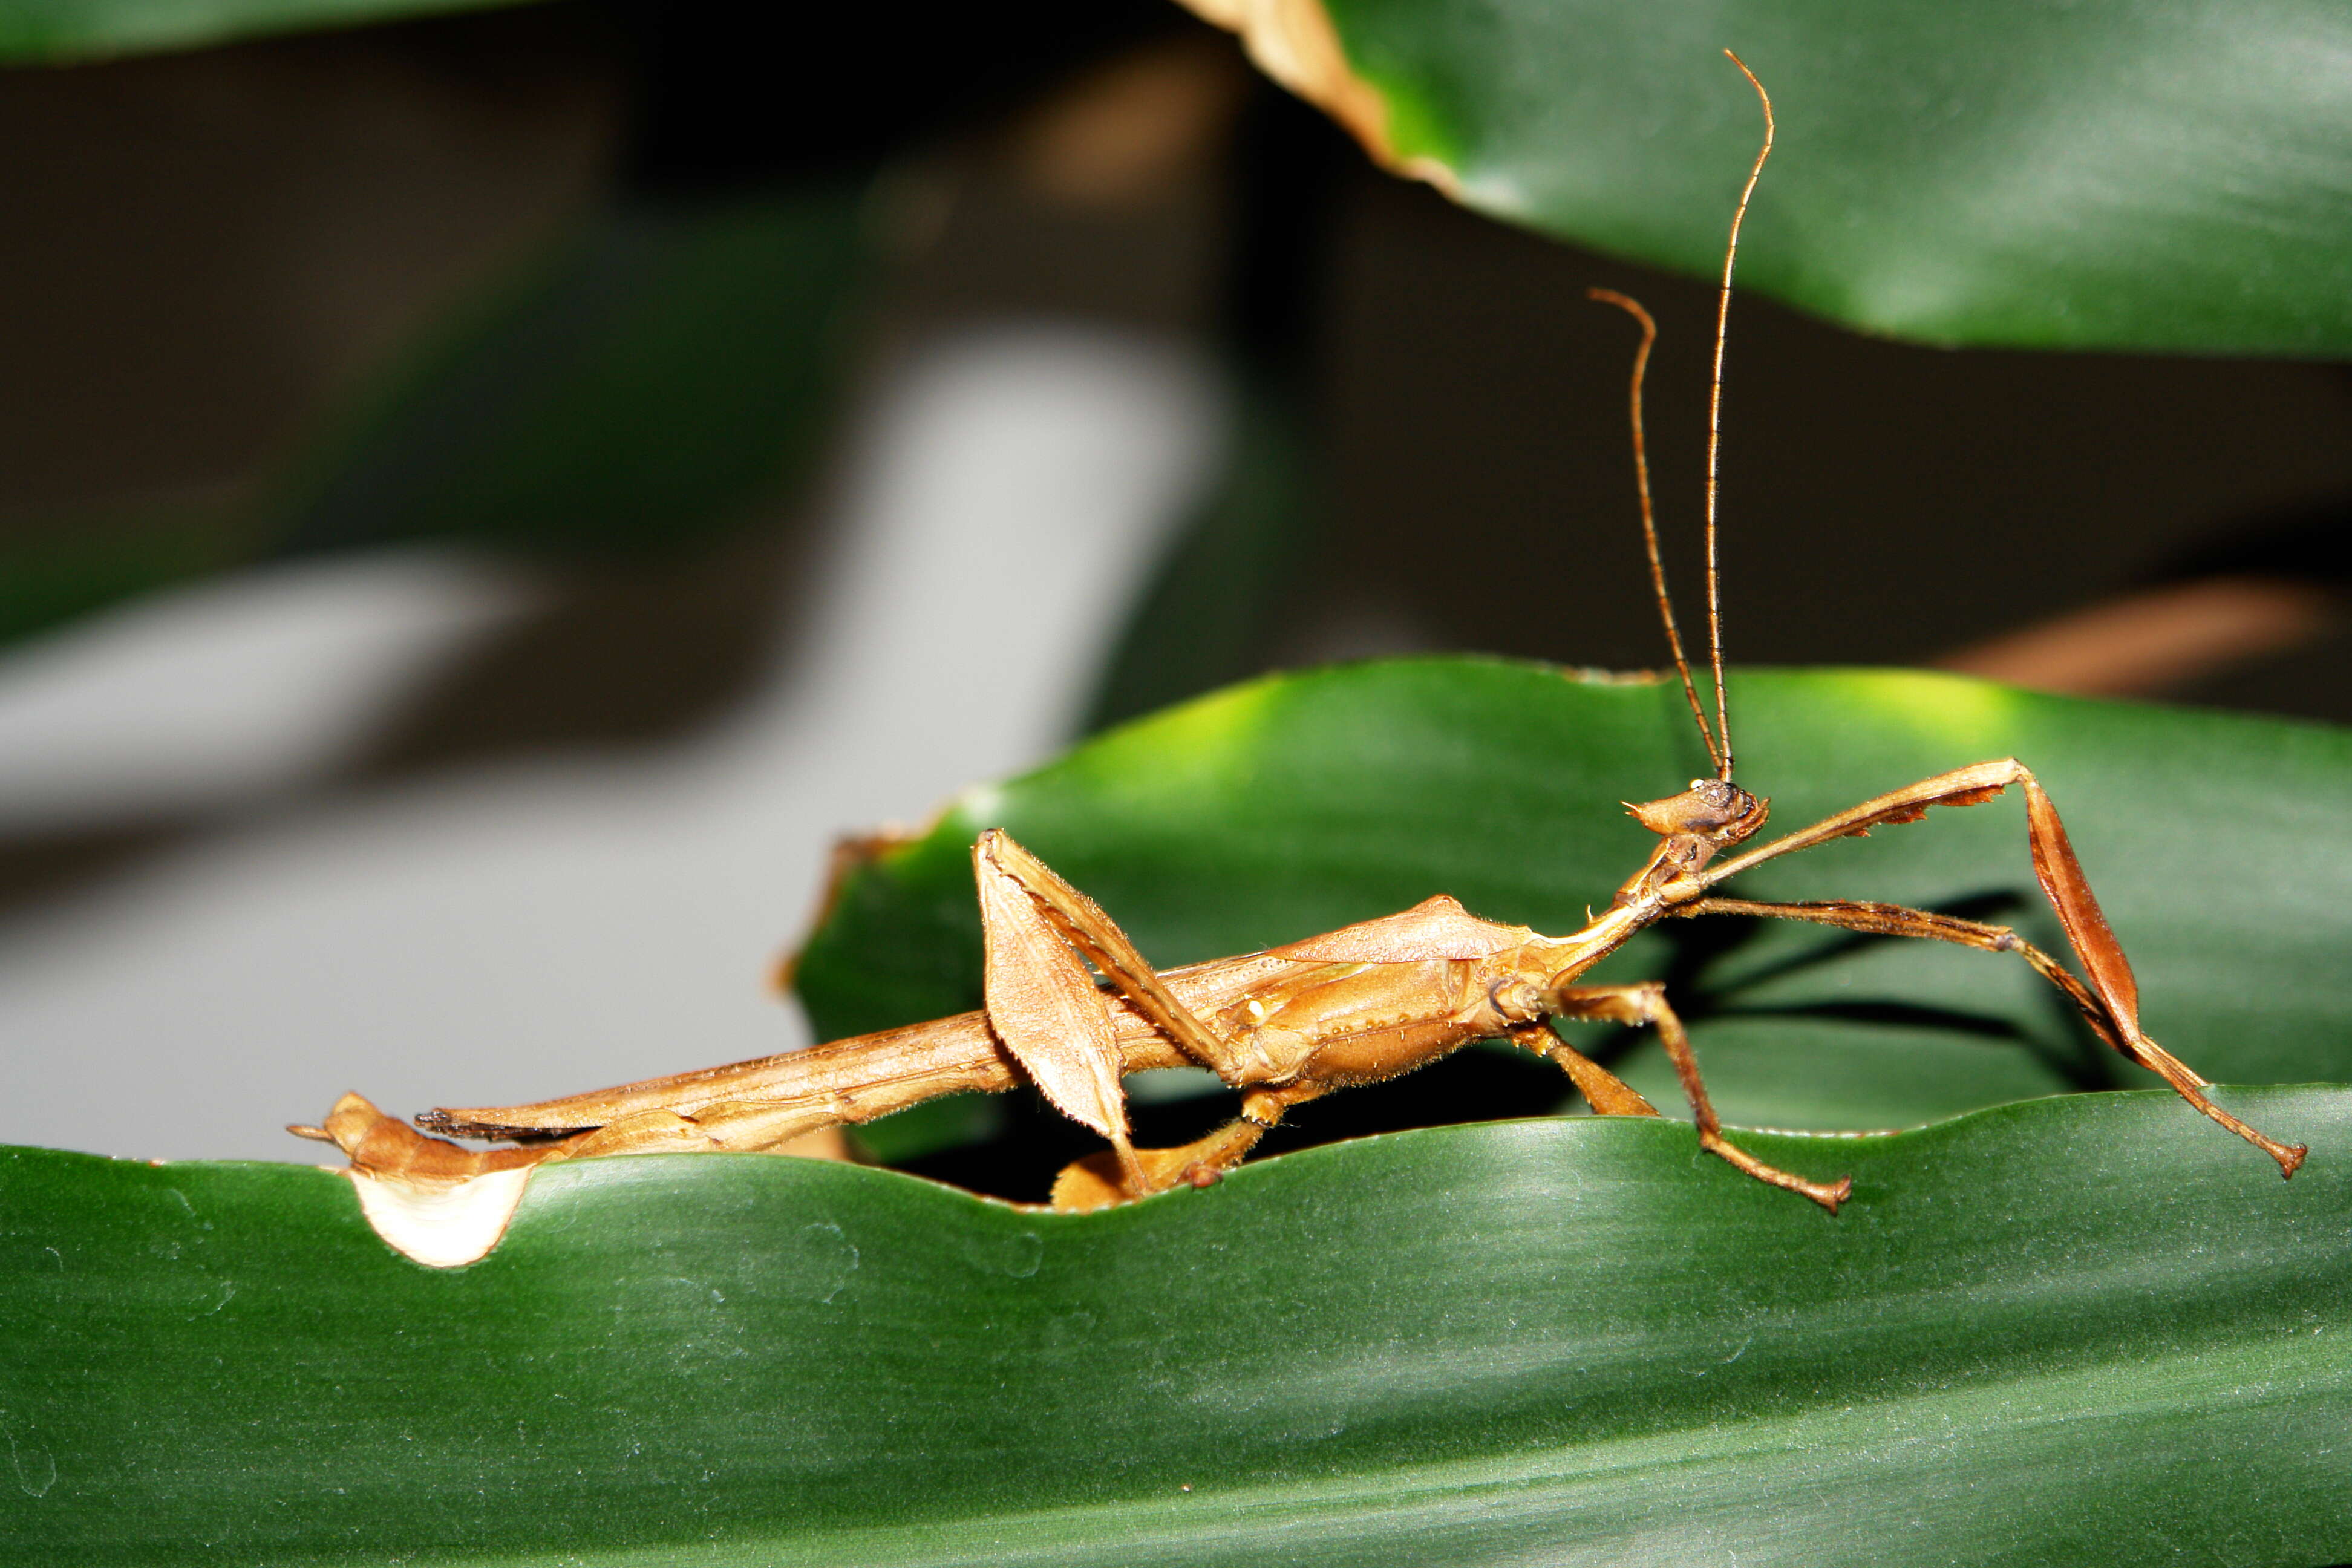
x,y
1043,1005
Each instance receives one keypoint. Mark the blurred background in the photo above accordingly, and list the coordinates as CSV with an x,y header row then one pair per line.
x,y
486,501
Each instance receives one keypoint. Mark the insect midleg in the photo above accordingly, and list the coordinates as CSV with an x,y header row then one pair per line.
x,y
1898,920
1646,1004
1872,919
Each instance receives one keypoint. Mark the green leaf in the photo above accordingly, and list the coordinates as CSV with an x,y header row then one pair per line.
x,y
1294,804
2079,1330
663,370
56,31
2141,175
644,386
2074,1330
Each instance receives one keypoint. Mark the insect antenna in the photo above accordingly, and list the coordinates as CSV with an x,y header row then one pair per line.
x,y
1715,419
1632,308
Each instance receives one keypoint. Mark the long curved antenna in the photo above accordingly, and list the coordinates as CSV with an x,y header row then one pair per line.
x,y
1715,417
1632,308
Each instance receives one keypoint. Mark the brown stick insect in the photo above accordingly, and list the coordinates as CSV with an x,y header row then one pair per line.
x,y
1360,1004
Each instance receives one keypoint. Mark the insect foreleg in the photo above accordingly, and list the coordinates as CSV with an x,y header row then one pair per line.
x,y
1646,1004
1971,786
1898,920
2062,881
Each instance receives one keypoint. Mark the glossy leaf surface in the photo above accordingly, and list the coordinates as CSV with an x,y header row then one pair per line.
x,y
2067,1330
2078,1330
2144,176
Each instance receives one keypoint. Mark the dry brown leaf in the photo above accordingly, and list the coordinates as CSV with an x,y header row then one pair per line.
x,y
1043,1005
1293,42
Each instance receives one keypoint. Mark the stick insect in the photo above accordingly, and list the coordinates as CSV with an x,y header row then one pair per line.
x,y
1363,1004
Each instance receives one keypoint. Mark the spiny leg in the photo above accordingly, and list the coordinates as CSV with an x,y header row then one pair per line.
x,y
1646,1004
1900,919
2055,865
